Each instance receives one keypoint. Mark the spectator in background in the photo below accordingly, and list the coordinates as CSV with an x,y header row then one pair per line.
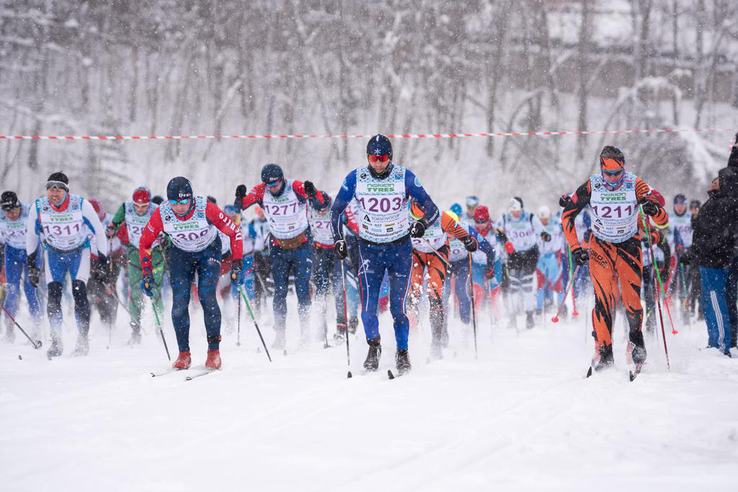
x,y
713,249
732,287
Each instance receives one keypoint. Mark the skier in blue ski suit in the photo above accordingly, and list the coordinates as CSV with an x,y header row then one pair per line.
x,y
382,190
13,227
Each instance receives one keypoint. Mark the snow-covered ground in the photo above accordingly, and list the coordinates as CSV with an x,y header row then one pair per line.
x,y
520,417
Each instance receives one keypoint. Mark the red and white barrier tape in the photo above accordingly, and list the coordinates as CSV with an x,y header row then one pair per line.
x,y
429,135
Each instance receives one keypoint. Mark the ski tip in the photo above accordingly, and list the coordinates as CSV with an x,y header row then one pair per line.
x,y
575,313
389,374
631,376
589,372
674,332
20,357
349,375
554,320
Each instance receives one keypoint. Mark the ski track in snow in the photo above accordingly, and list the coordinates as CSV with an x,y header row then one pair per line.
x,y
521,417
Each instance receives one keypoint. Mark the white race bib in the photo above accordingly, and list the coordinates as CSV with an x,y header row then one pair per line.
x,y
614,213
286,215
194,234
381,206
14,231
66,230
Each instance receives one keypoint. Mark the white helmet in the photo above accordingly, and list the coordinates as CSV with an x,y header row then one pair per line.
x,y
544,212
516,204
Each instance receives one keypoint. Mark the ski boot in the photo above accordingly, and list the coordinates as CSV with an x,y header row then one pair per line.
x,y
606,359
353,324
564,312
184,361
135,335
56,348
638,355
280,339
340,336
529,321
83,345
402,362
213,361
372,357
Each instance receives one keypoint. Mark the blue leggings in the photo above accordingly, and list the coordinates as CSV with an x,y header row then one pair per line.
x,y
715,306
15,266
396,259
549,266
460,270
299,261
182,268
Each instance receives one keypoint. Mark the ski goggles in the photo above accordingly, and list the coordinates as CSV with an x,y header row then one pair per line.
x,y
184,201
56,185
274,184
613,173
378,158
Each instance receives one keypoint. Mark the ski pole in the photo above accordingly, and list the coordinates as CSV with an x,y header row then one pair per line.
x,y
572,273
662,290
345,318
158,327
36,343
238,323
555,319
685,308
256,325
658,296
474,310
545,287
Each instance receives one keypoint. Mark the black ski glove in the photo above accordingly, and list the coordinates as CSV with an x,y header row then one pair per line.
x,y
103,262
309,189
241,192
34,273
237,272
649,208
341,249
470,243
502,237
581,256
545,236
417,229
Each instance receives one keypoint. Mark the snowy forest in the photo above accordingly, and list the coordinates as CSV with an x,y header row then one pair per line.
x,y
210,67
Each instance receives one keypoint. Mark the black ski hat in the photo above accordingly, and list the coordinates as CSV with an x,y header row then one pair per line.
x,y
9,200
179,188
58,179
271,173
